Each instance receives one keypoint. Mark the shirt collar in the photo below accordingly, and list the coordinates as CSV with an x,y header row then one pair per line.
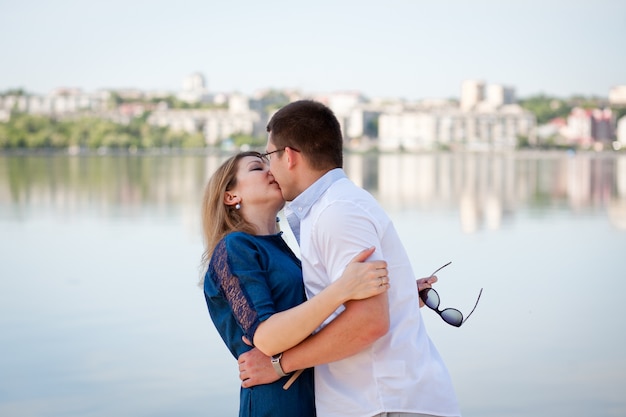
x,y
302,204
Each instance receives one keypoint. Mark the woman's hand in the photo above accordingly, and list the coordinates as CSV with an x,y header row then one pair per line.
x,y
363,279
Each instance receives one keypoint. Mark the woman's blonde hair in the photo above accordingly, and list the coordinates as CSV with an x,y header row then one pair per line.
x,y
218,219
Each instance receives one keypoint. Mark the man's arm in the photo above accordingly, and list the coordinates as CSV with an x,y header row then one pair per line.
x,y
357,327
255,368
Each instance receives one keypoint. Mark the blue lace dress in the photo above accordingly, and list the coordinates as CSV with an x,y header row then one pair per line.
x,y
250,278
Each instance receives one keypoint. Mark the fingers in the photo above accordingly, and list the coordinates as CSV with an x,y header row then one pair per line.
x,y
424,283
363,255
243,372
245,380
241,361
383,284
428,280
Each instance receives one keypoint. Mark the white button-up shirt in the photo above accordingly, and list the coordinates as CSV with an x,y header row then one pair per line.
x,y
402,371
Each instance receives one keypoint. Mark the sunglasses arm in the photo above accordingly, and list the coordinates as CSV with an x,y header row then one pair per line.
x,y
477,300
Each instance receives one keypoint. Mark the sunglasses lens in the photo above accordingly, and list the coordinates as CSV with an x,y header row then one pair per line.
x,y
430,298
452,316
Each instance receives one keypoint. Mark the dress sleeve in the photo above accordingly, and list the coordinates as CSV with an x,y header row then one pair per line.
x,y
238,272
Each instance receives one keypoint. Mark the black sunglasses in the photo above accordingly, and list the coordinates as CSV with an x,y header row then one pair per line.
x,y
451,316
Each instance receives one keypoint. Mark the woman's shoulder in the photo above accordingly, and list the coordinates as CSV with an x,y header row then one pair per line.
x,y
242,244
236,239
241,240
236,236
233,245
244,237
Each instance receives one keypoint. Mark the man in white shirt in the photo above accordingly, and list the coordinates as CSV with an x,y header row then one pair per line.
x,y
374,357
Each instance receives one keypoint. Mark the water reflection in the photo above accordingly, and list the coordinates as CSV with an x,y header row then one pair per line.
x,y
486,189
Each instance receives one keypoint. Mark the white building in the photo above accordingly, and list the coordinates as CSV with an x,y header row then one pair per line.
x,y
214,124
59,102
579,127
621,132
345,106
456,129
194,89
585,126
499,95
476,95
361,124
617,95
407,130
238,104
472,93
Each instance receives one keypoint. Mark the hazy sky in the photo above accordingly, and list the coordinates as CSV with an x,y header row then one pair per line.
x,y
411,49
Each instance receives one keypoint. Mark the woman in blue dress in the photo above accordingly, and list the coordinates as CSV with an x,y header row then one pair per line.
x,y
253,283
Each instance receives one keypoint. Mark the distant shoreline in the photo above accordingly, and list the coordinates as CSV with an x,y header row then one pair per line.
x,y
225,152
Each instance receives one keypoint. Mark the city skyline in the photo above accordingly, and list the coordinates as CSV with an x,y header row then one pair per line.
x,y
407,49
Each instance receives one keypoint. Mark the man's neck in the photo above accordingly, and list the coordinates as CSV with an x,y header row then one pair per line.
x,y
310,177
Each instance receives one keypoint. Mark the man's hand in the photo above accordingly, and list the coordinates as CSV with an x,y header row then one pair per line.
x,y
424,283
255,368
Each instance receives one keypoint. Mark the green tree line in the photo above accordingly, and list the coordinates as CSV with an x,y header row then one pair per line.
x,y
25,131
546,108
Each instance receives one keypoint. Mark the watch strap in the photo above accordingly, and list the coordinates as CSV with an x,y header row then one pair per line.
x,y
276,364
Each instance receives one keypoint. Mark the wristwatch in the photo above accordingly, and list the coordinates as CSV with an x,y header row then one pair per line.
x,y
276,365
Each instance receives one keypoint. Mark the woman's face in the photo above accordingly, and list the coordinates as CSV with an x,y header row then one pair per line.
x,y
256,186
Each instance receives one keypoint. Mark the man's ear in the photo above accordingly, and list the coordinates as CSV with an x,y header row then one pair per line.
x,y
293,157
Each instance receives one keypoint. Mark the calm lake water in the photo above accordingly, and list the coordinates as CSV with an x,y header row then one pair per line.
x,y
100,314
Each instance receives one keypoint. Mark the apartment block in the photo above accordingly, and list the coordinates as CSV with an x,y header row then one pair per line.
x,y
499,95
472,93
58,102
456,129
621,132
214,124
585,126
617,95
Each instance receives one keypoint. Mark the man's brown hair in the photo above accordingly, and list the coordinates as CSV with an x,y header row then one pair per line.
x,y
311,128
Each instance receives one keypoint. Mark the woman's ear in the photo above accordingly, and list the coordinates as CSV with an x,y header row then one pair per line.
x,y
231,199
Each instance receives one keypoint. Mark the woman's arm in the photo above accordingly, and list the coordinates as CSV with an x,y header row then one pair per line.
x,y
288,328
